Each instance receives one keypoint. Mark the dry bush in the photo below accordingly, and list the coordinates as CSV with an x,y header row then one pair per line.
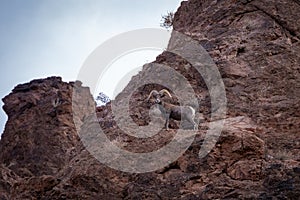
x,y
167,20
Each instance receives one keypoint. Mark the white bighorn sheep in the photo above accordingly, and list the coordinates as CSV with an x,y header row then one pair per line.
x,y
172,111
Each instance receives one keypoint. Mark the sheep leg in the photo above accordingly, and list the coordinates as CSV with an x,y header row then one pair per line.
x,y
194,124
167,122
192,121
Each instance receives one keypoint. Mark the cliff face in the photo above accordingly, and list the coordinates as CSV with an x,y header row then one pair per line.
x,y
255,45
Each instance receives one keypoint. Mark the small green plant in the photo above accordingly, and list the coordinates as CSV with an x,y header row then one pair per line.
x,y
56,102
167,20
103,98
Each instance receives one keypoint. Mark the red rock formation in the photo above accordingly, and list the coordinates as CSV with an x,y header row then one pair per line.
x,y
255,45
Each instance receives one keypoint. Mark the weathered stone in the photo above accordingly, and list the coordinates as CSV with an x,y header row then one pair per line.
x,y
255,45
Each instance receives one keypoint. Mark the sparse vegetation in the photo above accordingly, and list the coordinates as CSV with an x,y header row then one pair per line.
x,y
103,98
56,102
167,20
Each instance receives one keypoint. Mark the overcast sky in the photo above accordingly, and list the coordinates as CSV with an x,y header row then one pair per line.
x,y
41,38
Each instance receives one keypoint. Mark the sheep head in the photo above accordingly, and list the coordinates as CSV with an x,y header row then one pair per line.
x,y
158,95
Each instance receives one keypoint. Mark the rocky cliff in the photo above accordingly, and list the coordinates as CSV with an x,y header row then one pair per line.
x,y
255,45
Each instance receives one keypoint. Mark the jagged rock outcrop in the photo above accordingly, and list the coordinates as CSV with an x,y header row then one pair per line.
x,y
255,45
40,124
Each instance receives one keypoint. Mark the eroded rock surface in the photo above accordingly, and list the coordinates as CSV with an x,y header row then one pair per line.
x,y
255,45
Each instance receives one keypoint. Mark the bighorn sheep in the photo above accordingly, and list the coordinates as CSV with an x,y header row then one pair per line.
x,y
172,111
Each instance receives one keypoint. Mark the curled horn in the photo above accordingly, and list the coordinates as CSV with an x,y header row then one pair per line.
x,y
151,93
164,91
